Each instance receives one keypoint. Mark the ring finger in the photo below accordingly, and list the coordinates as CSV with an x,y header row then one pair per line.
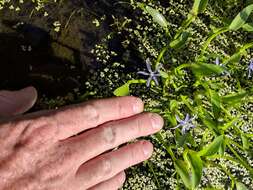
x,y
111,184
108,165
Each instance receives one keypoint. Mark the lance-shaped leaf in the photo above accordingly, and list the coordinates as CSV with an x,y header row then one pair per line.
x,y
241,18
122,91
212,148
199,6
235,98
196,168
237,56
157,17
208,120
183,172
180,41
248,27
216,102
245,142
203,69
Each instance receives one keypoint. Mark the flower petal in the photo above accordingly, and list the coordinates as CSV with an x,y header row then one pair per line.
x,y
187,118
217,61
178,119
148,64
149,81
176,126
156,81
143,73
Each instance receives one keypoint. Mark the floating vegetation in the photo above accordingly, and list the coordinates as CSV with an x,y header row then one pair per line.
x,y
191,62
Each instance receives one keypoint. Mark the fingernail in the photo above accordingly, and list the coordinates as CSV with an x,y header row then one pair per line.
x,y
157,121
147,148
138,106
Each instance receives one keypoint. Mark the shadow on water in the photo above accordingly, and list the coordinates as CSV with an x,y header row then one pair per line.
x,y
59,63
28,59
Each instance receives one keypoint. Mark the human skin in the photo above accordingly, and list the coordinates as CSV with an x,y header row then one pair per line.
x,y
72,148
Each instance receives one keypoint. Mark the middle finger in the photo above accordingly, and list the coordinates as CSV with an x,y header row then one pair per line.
x,y
108,136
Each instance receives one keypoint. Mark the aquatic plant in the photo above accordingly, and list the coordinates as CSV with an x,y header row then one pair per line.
x,y
152,74
217,139
204,48
186,124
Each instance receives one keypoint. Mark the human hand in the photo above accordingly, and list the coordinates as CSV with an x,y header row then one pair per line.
x,y
71,148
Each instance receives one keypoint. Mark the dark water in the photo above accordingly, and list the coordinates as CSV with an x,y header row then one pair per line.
x,y
55,63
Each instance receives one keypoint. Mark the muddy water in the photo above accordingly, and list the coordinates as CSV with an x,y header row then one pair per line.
x,y
32,53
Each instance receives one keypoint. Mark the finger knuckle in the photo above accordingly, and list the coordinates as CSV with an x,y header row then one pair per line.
x,y
137,127
109,135
131,155
106,166
119,108
90,112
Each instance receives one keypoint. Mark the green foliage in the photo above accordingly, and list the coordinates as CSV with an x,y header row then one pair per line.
x,y
203,69
124,90
204,98
186,40
180,41
156,15
196,168
199,6
213,148
241,18
240,186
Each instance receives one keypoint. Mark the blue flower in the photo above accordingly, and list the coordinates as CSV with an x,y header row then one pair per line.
x,y
217,62
186,124
250,68
152,74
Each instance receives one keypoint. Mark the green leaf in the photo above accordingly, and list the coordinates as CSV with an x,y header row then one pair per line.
x,y
240,186
181,169
216,103
173,105
212,148
157,17
248,27
123,90
245,142
235,98
180,41
212,37
180,139
237,56
164,74
203,69
222,148
199,6
210,123
172,120
241,18
234,58
196,168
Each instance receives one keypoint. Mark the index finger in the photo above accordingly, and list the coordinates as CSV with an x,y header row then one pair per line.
x,y
77,118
